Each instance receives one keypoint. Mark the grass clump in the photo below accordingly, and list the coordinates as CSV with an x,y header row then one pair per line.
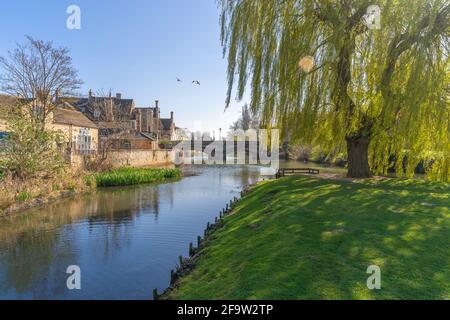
x,y
23,196
131,176
306,238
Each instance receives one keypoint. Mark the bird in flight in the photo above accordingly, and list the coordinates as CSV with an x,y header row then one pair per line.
x,y
196,82
179,80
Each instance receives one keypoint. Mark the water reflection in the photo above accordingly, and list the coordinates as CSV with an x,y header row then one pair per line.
x,y
125,240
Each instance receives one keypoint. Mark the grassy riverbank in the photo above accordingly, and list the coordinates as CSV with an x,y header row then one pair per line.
x,y
19,195
132,176
306,238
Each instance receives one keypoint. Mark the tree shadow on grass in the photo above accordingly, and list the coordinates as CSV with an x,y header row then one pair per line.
x,y
314,239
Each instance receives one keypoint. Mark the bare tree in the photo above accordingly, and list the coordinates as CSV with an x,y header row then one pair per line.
x,y
114,122
38,71
247,120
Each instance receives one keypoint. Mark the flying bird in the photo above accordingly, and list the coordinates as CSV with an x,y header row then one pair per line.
x,y
179,80
196,82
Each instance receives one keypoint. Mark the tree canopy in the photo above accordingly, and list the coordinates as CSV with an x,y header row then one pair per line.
x,y
380,94
38,71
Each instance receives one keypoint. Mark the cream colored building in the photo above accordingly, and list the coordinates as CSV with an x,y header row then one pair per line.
x,y
81,133
6,102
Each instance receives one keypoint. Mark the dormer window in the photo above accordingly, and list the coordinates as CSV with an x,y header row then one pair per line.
x,y
97,114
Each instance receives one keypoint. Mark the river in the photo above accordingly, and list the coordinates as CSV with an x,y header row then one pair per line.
x,y
125,240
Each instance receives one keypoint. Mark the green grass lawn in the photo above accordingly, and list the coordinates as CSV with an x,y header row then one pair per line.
x,y
131,176
306,238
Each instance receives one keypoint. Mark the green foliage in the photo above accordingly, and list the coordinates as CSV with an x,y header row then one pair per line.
x,y
166,144
29,149
90,181
23,196
318,155
389,85
305,238
132,176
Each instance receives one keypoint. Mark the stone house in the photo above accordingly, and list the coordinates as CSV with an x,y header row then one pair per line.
x,y
81,134
122,124
6,101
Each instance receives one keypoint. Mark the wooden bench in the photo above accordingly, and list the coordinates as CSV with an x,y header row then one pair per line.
x,y
291,171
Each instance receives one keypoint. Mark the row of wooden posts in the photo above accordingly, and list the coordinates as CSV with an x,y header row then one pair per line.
x,y
185,264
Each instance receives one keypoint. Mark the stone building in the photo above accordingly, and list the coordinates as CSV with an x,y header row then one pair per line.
x,y
81,134
122,124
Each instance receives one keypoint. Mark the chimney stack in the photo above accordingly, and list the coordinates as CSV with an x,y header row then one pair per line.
x,y
119,96
171,115
90,93
156,103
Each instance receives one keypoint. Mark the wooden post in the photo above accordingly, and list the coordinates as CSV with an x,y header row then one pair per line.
x,y
199,240
172,276
181,261
191,249
226,208
207,226
155,294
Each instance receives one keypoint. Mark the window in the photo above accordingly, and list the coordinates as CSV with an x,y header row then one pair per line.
x,y
84,140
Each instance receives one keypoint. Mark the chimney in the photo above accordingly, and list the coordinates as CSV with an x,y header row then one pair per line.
x,y
119,96
150,120
156,103
56,95
171,115
90,93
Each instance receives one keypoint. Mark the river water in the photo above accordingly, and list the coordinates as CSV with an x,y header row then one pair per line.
x,y
125,240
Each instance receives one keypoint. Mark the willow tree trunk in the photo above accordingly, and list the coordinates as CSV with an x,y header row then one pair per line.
x,y
358,157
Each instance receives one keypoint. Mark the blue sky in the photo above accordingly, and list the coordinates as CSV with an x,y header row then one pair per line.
x,y
138,48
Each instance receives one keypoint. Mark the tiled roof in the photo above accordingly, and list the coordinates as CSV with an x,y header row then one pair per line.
x,y
166,123
124,103
7,100
72,117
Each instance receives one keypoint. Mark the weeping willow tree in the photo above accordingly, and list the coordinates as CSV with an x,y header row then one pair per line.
x,y
381,95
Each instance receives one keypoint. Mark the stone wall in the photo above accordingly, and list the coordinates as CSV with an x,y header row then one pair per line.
x,y
132,158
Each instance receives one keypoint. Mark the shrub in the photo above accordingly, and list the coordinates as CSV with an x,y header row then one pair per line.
x,y
300,152
30,150
132,176
319,155
23,196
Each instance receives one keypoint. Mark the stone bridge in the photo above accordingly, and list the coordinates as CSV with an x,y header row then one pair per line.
x,y
228,148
